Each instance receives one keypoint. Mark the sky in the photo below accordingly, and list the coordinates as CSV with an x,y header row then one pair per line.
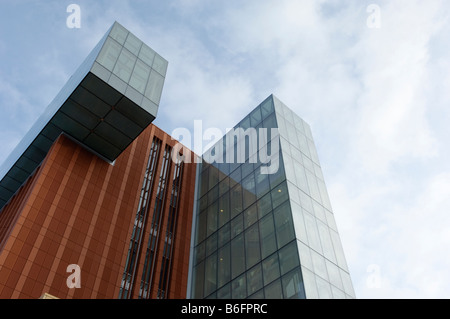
x,y
372,78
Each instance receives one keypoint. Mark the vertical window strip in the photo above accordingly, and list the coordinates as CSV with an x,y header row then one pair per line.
x,y
147,275
170,233
140,221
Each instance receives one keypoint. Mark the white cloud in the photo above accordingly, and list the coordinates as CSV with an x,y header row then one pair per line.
x,y
393,62
407,242
16,108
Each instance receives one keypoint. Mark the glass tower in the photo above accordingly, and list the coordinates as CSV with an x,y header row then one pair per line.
x,y
264,226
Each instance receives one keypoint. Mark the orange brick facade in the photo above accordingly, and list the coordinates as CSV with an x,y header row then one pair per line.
x,y
78,209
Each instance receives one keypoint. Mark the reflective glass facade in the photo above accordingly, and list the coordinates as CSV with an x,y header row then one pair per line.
x,y
263,235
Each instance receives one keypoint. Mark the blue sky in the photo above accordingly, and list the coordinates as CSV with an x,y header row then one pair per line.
x,y
376,98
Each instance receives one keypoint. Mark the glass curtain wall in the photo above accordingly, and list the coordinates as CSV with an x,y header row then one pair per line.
x,y
267,235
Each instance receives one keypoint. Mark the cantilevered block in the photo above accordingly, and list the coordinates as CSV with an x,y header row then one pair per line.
x,y
112,97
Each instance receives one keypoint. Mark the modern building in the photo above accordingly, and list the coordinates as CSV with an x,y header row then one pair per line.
x,y
264,226
97,202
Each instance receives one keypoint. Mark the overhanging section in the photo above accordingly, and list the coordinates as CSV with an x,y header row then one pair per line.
x,y
112,97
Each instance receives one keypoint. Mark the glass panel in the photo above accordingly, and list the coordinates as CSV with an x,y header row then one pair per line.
x,y
323,288
298,122
288,257
237,256
309,281
306,202
289,169
326,242
211,244
279,176
320,268
334,276
271,269
224,186
147,55
305,255
201,226
239,288
308,132
154,87
224,262
252,246
318,171
299,223
264,205
212,218
139,77
292,134
338,250
301,177
324,195
210,274
224,209
203,203
330,220
160,65
319,211
283,224
296,155
288,115
225,292
262,183
224,235
348,287
266,108
313,151
234,167
133,44
268,239
274,291
199,253
281,124
213,194
199,279
279,194
212,296
248,185
308,163
118,33
250,216
236,176
245,123
257,295
246,169
213,176
237,225
255,117
204,180
109,54
270,121
311,230
304,148
254,279
285,146
293,285
125,65
337,293
236,200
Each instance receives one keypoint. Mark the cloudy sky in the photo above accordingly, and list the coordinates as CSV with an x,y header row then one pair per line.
x,y
372,78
